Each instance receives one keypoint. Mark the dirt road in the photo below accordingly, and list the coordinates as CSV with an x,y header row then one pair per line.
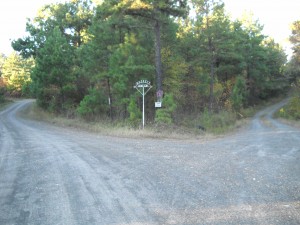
x,y
52,175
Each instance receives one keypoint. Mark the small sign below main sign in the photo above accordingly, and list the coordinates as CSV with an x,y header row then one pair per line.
x,y
157,104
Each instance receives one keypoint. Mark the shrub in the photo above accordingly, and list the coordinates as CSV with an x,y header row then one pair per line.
x,y
239,94
165,114
293,108
47,97
92,104
2,94
216,122
135,114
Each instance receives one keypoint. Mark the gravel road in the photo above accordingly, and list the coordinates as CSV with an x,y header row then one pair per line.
x,y
54,176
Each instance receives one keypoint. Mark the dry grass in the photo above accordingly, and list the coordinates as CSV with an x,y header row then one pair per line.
x,y
216,125
119,130
4,104
290,122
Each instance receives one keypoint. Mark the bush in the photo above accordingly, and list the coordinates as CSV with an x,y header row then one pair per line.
x,y
165,114
292,109
239,94
135,114
92,104
2,94
216,122
47,97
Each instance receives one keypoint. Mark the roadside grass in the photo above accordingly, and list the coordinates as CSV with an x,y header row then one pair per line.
x,y
290,113
219,123
205,125
5,103
119,129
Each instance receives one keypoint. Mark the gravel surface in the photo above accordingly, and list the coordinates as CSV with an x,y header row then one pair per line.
x,y
51,175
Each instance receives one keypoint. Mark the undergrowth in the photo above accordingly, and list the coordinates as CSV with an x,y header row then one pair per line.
x,y
119,129
205,124
291,111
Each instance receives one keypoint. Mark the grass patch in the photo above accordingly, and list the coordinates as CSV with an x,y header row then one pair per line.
x,y
225,121
291,111
119,129
188,128
216,123
4,104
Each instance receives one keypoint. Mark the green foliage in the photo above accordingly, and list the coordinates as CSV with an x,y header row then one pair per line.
x,y
72,18
293,67
16,74
175,68
2,94
2,60
93,104
239,94
48,97
53,70
292,109
135,113
86,53
165,114
216,122
128,64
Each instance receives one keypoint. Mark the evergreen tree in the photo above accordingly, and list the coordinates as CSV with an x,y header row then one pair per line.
x,y
52,75
155,12
71,18
294,64
16,74
90,57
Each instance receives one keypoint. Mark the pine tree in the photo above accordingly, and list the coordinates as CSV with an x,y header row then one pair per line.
x,y
52,75
16,74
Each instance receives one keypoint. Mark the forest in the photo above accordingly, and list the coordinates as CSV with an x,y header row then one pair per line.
x,y
83,58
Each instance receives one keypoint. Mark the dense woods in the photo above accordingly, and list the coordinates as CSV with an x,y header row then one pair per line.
x,y
83,58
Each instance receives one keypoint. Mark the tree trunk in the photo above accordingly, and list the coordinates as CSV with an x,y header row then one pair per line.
x,y
211,88
158,63
212,76
109,99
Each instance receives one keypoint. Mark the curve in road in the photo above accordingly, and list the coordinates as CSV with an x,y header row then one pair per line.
x,y
51,175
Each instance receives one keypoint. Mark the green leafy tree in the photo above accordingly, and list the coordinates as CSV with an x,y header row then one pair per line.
x,y
213,31
95,54
93,104
259,59
155,13
194,82
254,55
295,39
72,19
16,74
52,75
128,64
2,60
292,109
293,69
89,56
2,84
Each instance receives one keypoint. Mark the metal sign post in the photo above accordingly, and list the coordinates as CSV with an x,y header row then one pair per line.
x,y
143,86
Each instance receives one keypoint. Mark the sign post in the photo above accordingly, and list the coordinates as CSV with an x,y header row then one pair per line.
x,y
143,86
159,95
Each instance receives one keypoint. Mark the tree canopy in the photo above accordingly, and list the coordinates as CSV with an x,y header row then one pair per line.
x,y
89,55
